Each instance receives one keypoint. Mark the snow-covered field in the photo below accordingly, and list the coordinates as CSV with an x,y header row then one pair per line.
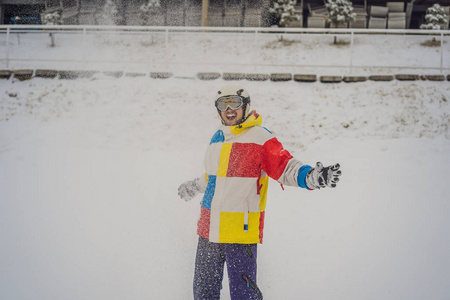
x,y
89,171
185,53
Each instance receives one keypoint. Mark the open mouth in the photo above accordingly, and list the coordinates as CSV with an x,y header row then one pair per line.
x,y
231,116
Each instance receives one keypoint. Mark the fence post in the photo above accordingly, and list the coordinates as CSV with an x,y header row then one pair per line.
x,y
351,51
442,52
84,46
7,48
256,49
167,48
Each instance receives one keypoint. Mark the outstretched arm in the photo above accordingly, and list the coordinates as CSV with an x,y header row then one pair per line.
x,y
281,166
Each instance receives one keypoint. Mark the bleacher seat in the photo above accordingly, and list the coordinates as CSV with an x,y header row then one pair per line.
x,y
378,17
396,6
232,18
447,12
317,17
361,17
396,15
252,20
397,20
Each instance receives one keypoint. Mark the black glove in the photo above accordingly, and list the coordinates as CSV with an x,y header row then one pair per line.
x,y
320,177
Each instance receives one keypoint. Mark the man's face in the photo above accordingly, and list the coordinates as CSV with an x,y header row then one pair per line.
x,y
232,117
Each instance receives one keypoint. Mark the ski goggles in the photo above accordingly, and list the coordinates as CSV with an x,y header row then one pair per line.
x,y
233,102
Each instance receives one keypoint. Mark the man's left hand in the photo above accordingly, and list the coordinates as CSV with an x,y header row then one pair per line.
x,y
320,177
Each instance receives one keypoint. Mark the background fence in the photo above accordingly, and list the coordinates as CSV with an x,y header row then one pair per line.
x,y
178,49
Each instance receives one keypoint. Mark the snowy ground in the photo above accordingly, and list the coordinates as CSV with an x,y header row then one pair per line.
x,y
89,171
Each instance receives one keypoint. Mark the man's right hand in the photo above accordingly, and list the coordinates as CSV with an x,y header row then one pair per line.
x,y
189,189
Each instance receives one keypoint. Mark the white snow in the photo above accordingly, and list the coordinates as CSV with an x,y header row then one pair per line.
x,y
186,53
89,171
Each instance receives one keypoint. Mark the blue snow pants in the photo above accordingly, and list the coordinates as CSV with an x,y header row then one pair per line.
x,y
241,268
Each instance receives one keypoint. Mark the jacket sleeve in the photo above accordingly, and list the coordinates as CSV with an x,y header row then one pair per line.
x,y
280,165
202,182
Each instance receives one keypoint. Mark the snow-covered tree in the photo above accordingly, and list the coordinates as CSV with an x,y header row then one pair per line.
x,y
340,12
285,12
54,18
434,18
110,13
147,11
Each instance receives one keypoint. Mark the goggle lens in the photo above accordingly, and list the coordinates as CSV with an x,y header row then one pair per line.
x,y
233,102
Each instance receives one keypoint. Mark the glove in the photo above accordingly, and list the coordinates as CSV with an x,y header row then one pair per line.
x,y
320,177
189,189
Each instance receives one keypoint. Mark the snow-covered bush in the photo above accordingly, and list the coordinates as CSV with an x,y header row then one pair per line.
x,y
110,13
285,12
434,18
53,18
147,11
340,12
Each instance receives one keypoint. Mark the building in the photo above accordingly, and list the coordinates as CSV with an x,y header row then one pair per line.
x,y
23,11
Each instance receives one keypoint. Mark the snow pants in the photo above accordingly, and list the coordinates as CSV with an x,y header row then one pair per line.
x,y
241,267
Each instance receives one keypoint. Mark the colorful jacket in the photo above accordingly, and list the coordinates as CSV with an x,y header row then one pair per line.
x,y
238,163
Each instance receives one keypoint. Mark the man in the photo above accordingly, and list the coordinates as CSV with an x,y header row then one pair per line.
x,y
241,157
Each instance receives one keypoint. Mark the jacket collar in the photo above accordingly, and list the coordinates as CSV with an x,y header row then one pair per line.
x,y
253,120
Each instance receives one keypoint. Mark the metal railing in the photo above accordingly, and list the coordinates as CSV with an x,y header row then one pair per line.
x,y
28,50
